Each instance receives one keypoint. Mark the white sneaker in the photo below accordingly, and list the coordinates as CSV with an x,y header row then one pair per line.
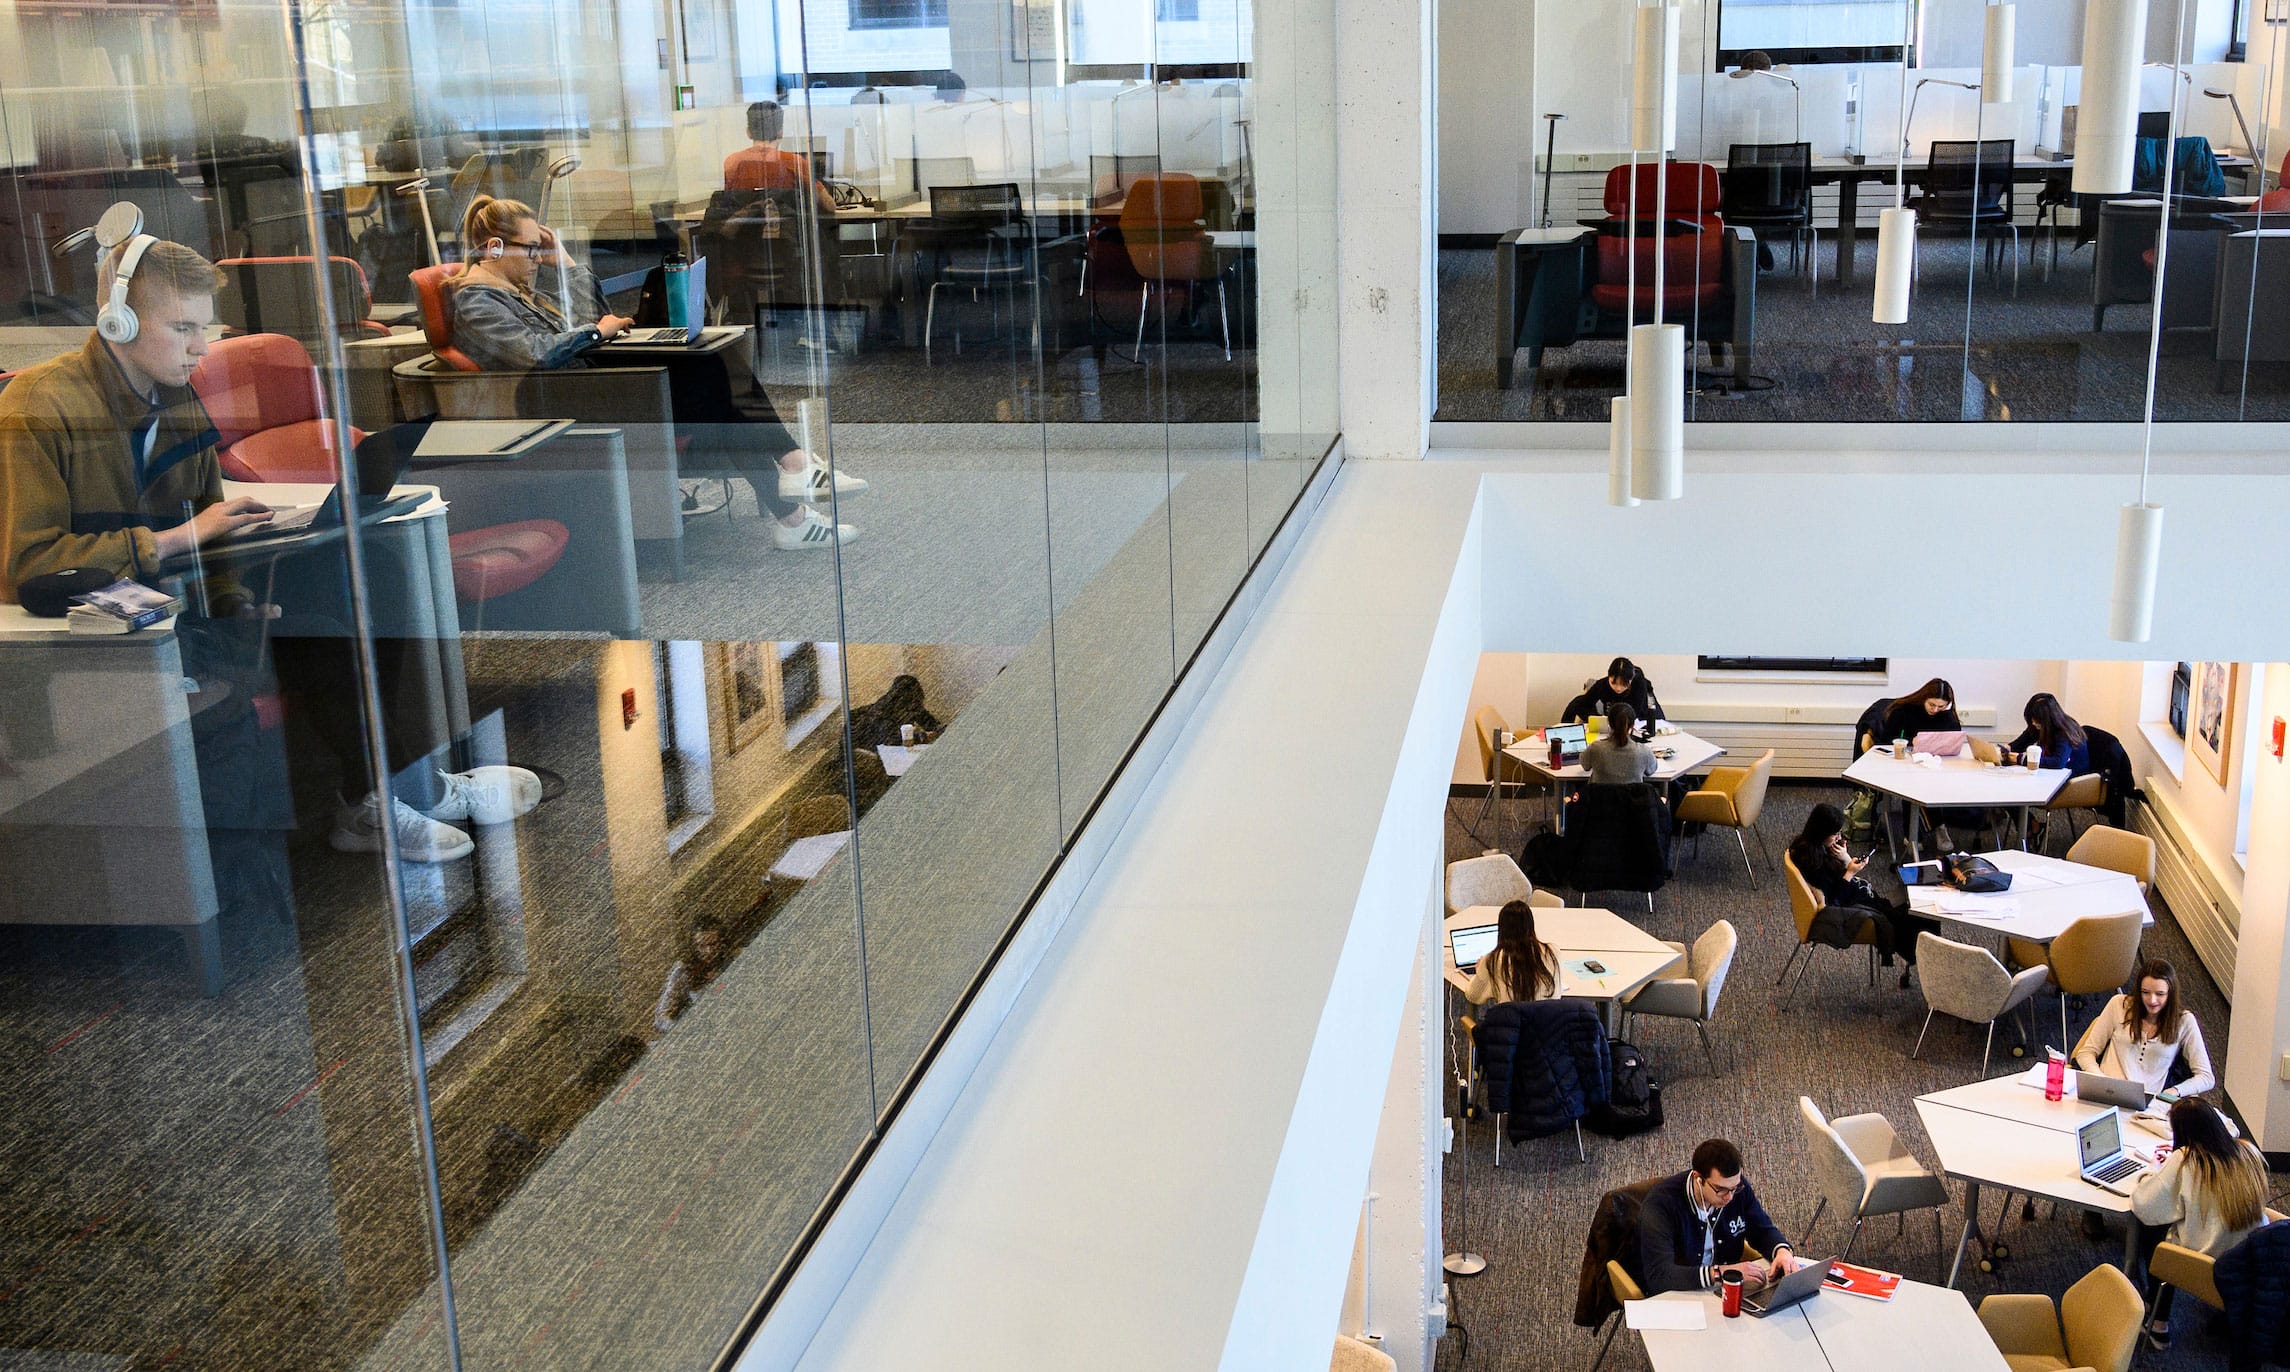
x,y
359,829
487,795
815,482
815,531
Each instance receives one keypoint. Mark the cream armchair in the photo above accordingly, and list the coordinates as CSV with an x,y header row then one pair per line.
x,y
1866,1170
1967,983
1732,798
2096,1327
1693,996
1492,879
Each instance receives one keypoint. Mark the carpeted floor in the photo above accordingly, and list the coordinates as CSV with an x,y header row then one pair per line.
x,y
1842,1043
2029,356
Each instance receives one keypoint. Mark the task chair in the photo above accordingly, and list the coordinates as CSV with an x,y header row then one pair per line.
x,y
280,295
1865,1169
1770,186
1968,189
1163,228
984,247
1966,982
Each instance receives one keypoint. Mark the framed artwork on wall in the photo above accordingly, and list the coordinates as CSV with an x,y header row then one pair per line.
x,y
2210,731
745,673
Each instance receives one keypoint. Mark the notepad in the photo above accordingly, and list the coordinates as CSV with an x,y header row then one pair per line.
x,y
1679,1315
1862,1281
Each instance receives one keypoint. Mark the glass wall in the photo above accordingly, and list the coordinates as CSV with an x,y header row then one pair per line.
x,y
665,521
2031,302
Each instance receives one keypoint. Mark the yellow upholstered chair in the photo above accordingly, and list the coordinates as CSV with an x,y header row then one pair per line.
x,y
2117,850
1732,798
2189,1270
1495,769
2092,956
1625,1290
2096,1326
1804,904
2086,792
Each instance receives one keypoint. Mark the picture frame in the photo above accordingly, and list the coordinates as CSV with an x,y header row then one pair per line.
x,y
2210,723
747,675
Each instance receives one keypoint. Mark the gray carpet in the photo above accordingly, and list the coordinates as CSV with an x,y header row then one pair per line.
x,y
2031,356
1844,1044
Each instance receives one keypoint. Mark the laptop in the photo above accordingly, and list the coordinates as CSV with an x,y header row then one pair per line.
x,y
1570,738
696,292
380,459
2101,1090
2099,1145
1470,945
1794,1289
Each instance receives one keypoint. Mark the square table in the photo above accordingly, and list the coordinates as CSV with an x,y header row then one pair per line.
x,y
2002,1133
2047,895
1686,754
1927,782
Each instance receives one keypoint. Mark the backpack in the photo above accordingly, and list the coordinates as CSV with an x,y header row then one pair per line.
x,y
1633,1096
1544,860
1861,816
1975,875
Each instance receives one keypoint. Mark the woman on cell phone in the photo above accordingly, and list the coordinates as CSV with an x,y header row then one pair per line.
x,y
1849,902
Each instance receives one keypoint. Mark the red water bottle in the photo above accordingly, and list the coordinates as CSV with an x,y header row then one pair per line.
x,y
1729,1287
2055,1077
1558,755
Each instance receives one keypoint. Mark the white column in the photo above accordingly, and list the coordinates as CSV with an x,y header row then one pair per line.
x,y
2253,1073
1386,194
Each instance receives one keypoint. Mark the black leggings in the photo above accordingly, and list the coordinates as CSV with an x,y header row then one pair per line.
x,y
1895,925
730,432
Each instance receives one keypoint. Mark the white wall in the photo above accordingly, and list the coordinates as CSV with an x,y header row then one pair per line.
x,y
2262,957
2111,695
1488,133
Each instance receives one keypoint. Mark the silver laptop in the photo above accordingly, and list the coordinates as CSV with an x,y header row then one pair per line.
x,y
696,292
1570,738
1470,945
2101,1090
2105,1164
1797,1287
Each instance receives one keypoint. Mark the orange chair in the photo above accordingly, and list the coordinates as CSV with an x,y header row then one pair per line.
x,y
1163,229
436,299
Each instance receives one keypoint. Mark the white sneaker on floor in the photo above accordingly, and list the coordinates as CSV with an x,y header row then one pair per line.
x,y
815,483
816,531
487,795
359,829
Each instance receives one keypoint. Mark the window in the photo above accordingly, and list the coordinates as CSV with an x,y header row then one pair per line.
x,y
898,14
1858,666
2182,684
1177,11
687,775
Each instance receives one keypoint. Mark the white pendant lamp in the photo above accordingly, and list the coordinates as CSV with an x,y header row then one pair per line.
x,y
1658,410
1618,452
1996,55
1896,264
1654,79
2107,124
2138,555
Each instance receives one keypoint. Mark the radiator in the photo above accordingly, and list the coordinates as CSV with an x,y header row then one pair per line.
x,y
2207,915
1807,740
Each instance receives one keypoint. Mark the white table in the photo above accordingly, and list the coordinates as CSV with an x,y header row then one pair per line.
x,y
1676,755
2000,1133
1631,956
806,858
2047,895
1921,1327
897,758
1784,1343
1963,781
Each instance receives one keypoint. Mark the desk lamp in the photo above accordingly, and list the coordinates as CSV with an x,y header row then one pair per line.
x,y
2235,105
1744,73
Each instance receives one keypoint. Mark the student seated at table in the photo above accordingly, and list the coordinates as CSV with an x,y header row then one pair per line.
x,y
1930,708
1849,903
2208,1195
506,317
108,460
2052,729
1615,758
1520,966
1624,684
765,166
1696,1226
2141,1037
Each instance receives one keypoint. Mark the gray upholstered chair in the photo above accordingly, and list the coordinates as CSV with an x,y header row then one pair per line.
x,y
1967,982
1693,996
1865,1170
1492,879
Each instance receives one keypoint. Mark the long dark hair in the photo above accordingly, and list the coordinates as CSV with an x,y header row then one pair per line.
x,y
2226,1169
1620,720
1935,689
2134,1009
2055,728
1810,849
1520,962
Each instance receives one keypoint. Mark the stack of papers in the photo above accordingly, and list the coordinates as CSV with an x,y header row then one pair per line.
x,y
1941,900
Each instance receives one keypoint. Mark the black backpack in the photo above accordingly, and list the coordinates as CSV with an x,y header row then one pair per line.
x,y
1634,1098
1544,860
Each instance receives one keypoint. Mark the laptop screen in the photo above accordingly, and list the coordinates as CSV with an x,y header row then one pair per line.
x,y
1471,944
2100,1140
1570,737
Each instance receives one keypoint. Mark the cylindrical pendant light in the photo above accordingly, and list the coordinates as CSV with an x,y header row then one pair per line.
x,y
2138,555
1996,56
2107,124
1654,79
1658,411
1896,264
1618,452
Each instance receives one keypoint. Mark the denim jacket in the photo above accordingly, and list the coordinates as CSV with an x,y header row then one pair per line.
x,y
501,330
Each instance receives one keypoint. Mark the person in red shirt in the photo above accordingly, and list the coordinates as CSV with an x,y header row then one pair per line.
x,y
764,166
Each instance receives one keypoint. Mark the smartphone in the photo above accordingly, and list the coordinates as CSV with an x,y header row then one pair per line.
x,y
1594,967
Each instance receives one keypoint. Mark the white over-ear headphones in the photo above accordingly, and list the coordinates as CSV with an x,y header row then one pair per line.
x,y
122,223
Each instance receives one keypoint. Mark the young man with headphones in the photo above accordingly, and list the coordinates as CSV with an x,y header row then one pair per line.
x,y
108,460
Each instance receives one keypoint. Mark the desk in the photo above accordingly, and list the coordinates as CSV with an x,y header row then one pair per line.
x,y
1688,754
1956,781
1784,1343
1922,1326
2047,895
1632,956
2000,1133
806,858
898,760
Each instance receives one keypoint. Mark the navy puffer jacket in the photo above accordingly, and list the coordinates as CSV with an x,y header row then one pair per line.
x,y
1544,1062
2254,1280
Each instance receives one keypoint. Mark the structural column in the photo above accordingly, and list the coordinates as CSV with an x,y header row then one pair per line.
x,y
1386,196
2261,1037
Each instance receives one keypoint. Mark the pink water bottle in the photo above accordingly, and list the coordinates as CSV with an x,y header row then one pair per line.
x,y
2055,1077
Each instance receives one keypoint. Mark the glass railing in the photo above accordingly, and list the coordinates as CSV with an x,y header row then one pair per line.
x,y
2030,302
667,528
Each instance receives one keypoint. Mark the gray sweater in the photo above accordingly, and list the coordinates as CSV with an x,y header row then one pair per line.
x,y
504,331
1618,763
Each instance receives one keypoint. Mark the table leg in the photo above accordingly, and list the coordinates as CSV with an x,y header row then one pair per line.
x,y
1848,226
1915,830
1971,1228
1506,313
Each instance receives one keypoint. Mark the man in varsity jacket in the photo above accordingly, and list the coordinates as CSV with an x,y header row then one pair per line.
x,y
1695,1226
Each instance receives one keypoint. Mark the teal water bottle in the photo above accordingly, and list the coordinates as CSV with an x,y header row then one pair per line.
x,y
675,276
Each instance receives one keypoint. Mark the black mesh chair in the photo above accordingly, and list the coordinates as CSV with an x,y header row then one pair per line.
x,y
1967,189
1770,186
983,246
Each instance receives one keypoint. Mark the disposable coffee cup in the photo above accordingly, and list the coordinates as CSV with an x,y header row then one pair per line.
x,y
2034,756
1900,748
906,735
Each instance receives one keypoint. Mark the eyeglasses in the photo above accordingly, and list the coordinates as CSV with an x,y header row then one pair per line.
x,y
527,248
1724,1192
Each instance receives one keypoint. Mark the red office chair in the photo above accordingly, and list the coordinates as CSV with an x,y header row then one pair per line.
x,y
430,288
1163,229
261,391
1691,244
